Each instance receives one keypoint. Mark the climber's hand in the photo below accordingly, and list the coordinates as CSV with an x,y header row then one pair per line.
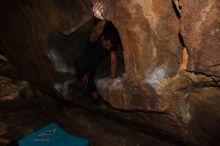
x,y
98,10
110,81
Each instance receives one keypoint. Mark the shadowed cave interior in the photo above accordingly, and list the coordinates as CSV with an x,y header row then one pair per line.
x,y
167,90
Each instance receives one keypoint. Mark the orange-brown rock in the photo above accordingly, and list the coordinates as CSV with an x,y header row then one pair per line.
x,y
156,75
201,33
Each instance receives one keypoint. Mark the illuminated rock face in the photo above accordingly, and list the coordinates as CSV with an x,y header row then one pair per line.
x,y
160,74
153,28
152,51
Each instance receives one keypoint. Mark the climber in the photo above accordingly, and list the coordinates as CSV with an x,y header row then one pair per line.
x,y
103,41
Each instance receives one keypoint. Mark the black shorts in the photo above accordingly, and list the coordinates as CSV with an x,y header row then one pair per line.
x,y
86,79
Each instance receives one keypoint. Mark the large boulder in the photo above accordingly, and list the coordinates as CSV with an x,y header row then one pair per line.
x,y
171,55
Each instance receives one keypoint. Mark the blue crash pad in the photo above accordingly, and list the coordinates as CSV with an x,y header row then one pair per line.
x,y
52,135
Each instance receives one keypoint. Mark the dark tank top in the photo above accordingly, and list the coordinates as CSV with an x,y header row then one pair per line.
x,y
92,55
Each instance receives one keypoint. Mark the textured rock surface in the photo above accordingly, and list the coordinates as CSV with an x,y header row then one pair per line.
x,y
153,55
156,78
201,32
153,28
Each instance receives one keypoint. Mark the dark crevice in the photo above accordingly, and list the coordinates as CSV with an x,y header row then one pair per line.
x,y
215,65
200,85
177,9
202,73
181,40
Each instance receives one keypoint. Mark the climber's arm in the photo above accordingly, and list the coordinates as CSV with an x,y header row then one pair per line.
x,y
98,29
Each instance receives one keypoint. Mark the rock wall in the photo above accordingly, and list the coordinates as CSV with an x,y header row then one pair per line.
x,y
27,28
155,51
200,30
171,52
